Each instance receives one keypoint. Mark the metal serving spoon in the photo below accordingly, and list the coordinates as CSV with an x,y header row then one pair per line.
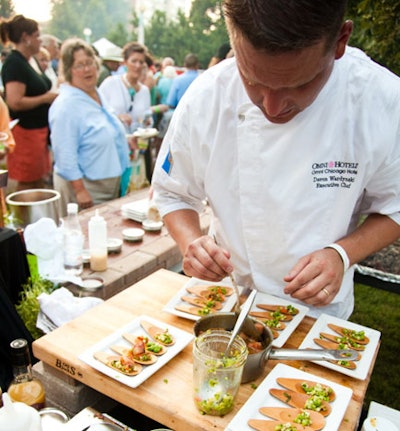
x,y
242,316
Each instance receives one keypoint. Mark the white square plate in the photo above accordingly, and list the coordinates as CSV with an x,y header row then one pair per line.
x,y
264,298
321,325
182,338
262,398
176,299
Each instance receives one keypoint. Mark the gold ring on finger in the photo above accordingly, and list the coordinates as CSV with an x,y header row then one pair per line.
x,y
326,291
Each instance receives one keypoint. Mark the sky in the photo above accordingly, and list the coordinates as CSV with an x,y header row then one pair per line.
x,y
38,10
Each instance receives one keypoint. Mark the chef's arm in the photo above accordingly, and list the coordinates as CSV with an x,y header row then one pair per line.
x,y
202,258
375,233
317,277
184,227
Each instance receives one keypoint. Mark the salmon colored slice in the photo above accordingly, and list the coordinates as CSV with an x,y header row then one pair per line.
x,y
326,344
287,414
294,399
295,385
131,338
345,332
261,425
123,351
282,308
107,359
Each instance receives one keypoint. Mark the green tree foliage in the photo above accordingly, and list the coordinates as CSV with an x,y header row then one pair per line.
x,y
6,8
376,30
71,17
201,33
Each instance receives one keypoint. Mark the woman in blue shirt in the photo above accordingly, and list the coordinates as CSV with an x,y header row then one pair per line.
x,y
89,144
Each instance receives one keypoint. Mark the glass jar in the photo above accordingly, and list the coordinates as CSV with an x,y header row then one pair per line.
x,y
216,375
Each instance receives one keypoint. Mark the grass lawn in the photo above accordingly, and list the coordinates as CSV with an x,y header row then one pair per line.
x,y
380,309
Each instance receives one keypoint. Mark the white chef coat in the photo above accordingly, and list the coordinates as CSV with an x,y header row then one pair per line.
x,y
280,191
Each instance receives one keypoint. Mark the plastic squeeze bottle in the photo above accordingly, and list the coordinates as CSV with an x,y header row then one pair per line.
x,y
73,241
98,243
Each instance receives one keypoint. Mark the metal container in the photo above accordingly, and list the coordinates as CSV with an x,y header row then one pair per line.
x,y
255,362
29,206
52,418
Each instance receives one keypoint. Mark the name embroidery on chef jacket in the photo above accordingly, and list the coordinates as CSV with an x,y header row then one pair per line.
x,y
334,174
168,162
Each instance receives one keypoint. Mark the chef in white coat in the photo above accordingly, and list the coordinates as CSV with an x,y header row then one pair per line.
x,y
291,142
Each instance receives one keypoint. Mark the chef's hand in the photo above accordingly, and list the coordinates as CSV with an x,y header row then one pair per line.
x,y
316,277
206,260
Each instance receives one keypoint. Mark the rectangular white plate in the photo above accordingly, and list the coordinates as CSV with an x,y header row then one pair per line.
x,y
321,325
264,298
262,398
182,338
176,299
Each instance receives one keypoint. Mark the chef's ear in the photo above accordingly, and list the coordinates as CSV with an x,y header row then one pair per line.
x,y
344,36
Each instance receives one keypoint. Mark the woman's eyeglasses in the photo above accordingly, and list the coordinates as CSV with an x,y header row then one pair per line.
x,y
86,64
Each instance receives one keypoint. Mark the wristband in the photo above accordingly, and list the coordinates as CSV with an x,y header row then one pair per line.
x,y
342,254
157,109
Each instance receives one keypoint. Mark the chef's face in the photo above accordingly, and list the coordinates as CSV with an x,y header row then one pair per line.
x,y
282,85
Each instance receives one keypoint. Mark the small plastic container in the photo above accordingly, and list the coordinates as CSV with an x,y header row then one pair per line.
x,y
133,234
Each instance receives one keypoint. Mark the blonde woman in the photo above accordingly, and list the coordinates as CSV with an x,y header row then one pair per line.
x,y
89,144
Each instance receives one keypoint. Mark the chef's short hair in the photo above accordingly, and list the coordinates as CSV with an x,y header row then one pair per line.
x,y
278,26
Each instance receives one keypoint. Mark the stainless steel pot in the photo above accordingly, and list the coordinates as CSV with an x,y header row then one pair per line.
x,y
255,363
28,206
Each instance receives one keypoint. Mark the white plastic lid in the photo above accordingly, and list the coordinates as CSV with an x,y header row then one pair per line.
x,y
72,208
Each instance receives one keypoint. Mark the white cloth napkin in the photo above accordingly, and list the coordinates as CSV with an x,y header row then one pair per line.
x,y
60,307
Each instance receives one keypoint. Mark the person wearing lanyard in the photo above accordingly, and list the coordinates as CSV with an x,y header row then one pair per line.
x,y
292,142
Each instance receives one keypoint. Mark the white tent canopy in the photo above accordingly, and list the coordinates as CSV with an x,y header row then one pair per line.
x,y
106,48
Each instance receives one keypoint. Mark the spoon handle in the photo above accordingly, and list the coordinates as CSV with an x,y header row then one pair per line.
x,y
242,316
234,284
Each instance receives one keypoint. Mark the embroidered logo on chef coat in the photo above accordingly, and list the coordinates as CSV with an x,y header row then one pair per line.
x,y
336,174
168,163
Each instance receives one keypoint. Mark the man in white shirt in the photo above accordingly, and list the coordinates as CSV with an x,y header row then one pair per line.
x,y
290,142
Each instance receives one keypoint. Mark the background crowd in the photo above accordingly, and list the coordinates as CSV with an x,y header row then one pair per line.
x,y
76,114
